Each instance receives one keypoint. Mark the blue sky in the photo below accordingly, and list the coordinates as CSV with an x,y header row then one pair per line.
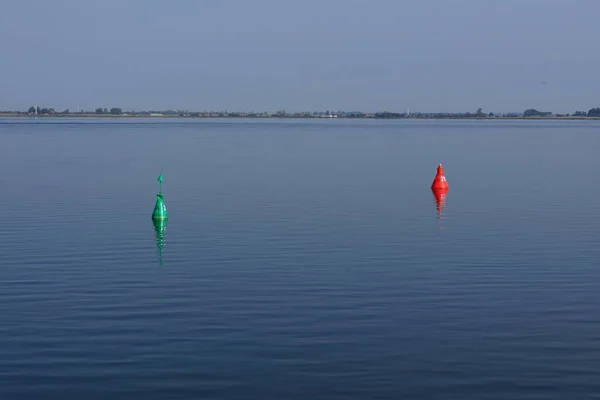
x,y
260,55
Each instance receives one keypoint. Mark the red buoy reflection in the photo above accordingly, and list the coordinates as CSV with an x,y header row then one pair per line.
x,y
440,200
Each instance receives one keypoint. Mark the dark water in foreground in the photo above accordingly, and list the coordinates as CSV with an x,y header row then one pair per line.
x,y
301,260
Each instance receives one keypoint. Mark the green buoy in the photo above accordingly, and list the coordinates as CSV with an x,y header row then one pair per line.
x,y
160,209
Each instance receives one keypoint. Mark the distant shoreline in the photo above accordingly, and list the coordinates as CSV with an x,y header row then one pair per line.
x,y
93,115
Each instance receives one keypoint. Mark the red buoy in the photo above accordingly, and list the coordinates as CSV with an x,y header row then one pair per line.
x,y
440,182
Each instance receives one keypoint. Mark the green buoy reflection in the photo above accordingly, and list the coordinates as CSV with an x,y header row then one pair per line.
x,y
160,225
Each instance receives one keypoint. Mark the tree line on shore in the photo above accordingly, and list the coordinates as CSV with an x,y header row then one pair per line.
x,y
49,111
36,110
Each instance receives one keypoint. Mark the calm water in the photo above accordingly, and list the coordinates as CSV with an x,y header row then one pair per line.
x,y
301,260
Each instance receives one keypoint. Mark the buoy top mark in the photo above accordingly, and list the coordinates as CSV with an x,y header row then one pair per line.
x,y
160,181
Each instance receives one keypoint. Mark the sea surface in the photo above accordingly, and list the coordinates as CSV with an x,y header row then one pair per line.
x,y
302,259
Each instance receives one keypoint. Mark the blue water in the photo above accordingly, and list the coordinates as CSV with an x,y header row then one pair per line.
x,y
303,259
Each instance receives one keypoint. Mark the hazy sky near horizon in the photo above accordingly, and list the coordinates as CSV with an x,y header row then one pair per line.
x,y
266,55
